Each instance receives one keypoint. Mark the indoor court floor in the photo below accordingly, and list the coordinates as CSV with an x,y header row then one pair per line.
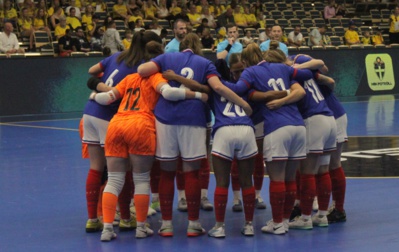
x,y
42,192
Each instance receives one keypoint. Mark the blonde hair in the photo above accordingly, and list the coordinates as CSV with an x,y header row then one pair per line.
x,y
274,54
191,41
251,55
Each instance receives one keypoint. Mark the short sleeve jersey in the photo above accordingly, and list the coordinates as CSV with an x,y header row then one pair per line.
x,y
172,46
114,72
186,112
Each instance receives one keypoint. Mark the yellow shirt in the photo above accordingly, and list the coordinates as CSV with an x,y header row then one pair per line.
x,y
119,8
150,12
87,20
194,18
59,31
50,12
78,4
73,21
25,24
378,40
218,10
38,23
240,19
366,41
351,36
175,10
394,20
210,7
11,13
134,18
250,18
126,43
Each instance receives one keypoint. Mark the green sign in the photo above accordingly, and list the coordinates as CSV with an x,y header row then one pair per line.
x,y
380,72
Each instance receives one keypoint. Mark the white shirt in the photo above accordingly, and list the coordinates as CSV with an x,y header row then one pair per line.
x,y
295,38
8,42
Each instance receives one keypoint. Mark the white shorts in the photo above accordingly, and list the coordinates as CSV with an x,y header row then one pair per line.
x,y
234,141
180,140
285,143
259,131
321,134
94,130
342,124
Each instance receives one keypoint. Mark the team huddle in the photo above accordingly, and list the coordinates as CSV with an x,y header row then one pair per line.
x,y
148,118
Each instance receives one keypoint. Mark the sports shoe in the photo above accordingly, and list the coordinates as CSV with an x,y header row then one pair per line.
x,y
296,211
166,230
128,225
195,229
182,205
117,218
143,231
274,228
237,207
260,204
149,212
286,225
156,205
206,205
217,232
248,229
300,223
336,216
320,220
108,234
315,205
93,226
331,208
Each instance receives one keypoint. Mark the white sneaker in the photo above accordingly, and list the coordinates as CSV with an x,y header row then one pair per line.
x,y
108,234
301,223
331,208
195,229
274,228
217,232
286,225
315,205
143,231
182,205
248,229
151,211
320,220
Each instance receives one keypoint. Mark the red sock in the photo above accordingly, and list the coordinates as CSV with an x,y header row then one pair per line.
x,y
259,171
180,175
308,192
155,175
290,193
193,194
235,182
220,201
248,198
166,193
125,196
338,183
204,173
277,199
323,188
93,186
298,184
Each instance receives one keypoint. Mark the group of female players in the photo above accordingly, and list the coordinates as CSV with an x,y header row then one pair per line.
x,y
165,116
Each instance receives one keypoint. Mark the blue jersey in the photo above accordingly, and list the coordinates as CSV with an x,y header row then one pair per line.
x,y
332,102
186,112
313,103
227,113
235,48
279,77
172,46
264,46
113,73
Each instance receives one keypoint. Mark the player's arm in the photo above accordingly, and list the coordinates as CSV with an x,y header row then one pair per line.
x,y
191,84
223,54
147,69
268,96
106,98
325,80
177,94
297,93
97,85
313,64
222,90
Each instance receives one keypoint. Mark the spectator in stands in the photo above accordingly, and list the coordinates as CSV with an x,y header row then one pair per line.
x,y
163,35
26,26
77,13
201,4
82,44
174,10
204,23
120,11
340,11
40,22
207,14
100,6
42,5
55,17
87,18
226,18
316,36
60,29
96,39
378,39
92,28
155,27
239,17
136,14
265,35
162,10
247,39
72,20
206,39
366,40
54,5
112,39
351,35
220,36
260,18
180,31
150,9
219,8
67,44
195,18
275,34
8,40
329,10
229,45
30,6
394,27
139,25
128,39
295,38
10,14
250,17
258,8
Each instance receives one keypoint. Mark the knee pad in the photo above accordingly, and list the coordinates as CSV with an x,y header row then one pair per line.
x,y
141,183
115,183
